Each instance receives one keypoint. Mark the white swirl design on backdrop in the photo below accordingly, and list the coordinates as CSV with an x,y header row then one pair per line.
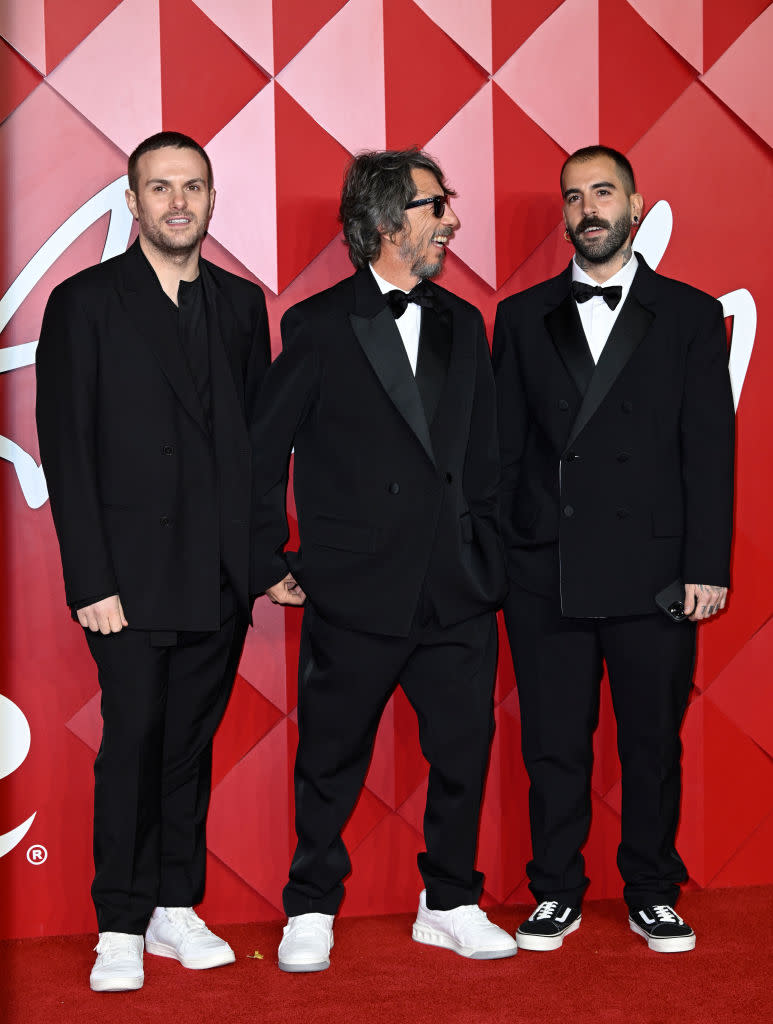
x,y
15,741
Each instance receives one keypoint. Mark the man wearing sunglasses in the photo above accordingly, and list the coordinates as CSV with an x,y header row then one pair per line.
x,y
384,388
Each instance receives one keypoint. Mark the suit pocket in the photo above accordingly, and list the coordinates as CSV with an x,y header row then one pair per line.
x,y
341,535
667,522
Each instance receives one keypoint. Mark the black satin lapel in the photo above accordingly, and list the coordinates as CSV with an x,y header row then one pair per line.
x,y
568,336
630,327
148,309
383,346
432,364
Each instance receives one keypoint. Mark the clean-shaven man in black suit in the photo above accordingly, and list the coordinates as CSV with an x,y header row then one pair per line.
x,y
384,387
149,368
616,435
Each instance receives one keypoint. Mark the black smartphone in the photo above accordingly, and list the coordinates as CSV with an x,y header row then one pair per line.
x,y
670,600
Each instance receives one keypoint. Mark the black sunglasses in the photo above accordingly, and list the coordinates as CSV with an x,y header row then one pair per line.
x,y
438,204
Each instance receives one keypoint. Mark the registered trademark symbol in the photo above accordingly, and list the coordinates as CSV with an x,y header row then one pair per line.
x,y
37,855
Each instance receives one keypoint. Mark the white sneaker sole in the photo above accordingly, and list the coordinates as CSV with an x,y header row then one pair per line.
x,y
214,959
676,944
431,937
117,984
321,965
545,942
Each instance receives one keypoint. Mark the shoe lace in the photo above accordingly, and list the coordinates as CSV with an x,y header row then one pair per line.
x,y
186,919
472,912
310,924
113,946
666,914
546,909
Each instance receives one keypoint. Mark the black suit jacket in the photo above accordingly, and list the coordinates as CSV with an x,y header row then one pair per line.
x,y
618,478
386,500
148,502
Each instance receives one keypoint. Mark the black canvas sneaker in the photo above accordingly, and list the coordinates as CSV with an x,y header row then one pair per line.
x,y
548,925
663,928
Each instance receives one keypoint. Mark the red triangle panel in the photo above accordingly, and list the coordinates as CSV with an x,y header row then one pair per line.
x,y
296,22
724,22
629,50
309,171
513,23
409,35
248,718
17,79
197,98
68,23
528,198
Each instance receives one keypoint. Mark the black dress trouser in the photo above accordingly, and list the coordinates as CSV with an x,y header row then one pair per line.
x,y
345,681
161,706
558,666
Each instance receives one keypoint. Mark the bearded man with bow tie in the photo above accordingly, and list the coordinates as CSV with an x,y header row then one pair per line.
x,y
616,436
385,390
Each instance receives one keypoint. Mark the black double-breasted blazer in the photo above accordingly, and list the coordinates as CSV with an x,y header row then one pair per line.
x,y
149,500
395,490
618,477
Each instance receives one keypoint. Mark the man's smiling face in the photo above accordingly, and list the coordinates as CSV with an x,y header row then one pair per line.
x,y
598,211
174,201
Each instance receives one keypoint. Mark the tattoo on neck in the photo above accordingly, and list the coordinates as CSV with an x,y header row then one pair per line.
x,y
581,261
627,253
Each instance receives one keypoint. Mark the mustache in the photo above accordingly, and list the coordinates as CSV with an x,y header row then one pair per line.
x,y
592,222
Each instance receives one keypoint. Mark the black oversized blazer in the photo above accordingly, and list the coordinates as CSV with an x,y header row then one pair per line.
x,y
146,502
386,496
617,479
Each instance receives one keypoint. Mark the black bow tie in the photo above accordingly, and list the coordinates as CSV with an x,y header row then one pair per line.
x,y
421,294
611,295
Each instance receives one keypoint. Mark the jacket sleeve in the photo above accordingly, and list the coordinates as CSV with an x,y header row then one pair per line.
x,y
708,441
286,397
67,363
512,422
481,475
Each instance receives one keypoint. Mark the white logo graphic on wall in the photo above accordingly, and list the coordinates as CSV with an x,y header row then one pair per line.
x,y
14,747
651,241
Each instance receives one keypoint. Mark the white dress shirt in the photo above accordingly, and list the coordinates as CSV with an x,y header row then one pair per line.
x,y
596,316
409,324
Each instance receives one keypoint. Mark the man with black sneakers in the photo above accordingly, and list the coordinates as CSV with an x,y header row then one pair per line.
x,y
616,436
384,388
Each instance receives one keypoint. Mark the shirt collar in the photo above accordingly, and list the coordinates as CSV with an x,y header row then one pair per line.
x,y
385,286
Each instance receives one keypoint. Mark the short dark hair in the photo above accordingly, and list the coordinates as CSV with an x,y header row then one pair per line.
x,y
162,140
592,152
377,185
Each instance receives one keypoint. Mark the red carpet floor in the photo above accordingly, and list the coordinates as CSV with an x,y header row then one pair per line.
x,y
603,974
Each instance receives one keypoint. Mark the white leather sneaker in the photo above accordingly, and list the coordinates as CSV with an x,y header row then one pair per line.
x,y
466,930
118,967
306,943
179,933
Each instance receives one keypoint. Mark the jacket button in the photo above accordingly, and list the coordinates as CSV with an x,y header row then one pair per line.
x,y
626,406
572,456
623,456
167,449
563,405
164,521
393,488
568,511
449,478
623,513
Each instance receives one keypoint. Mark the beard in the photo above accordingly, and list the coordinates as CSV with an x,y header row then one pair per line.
x,y
168,243
600,250
419,260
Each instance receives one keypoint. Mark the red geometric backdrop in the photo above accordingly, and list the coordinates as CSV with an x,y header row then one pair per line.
x,y
282,93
